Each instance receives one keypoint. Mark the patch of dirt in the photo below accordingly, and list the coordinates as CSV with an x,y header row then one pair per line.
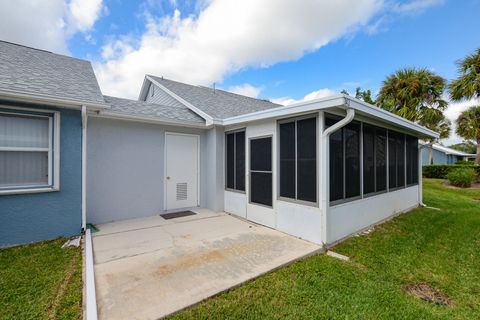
x,y
52,308
427,293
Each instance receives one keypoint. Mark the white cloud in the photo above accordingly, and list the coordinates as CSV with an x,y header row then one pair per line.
x,y
46,24
415,6
226,36
83,13
246,89
321,93
453,111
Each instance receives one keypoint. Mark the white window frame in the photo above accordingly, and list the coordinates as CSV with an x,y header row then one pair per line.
x,y
53,150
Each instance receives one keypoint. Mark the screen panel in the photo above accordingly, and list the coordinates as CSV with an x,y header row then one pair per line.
x,y
307,160
261,188
240,160
230,141
287,160
336,165
261,154
381,159
352,160
368,159
400,160
392,160
412,160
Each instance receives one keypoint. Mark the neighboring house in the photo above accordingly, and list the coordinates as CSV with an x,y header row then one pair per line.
x,y
444,155
320,170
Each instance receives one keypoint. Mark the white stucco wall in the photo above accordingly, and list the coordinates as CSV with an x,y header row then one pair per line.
x,y
293,218
236,203
351,217
125,163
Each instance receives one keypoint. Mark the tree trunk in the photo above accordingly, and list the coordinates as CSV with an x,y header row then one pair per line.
x,y
430,154
477,160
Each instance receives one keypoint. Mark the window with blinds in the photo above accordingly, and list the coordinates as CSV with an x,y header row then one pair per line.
x,y
26,145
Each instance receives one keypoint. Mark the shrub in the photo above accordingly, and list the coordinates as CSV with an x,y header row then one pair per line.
x,y
465,163
440,171
462,177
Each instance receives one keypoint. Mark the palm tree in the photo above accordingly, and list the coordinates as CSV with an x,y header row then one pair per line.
x,y
467,85
443,126
415,94
468,127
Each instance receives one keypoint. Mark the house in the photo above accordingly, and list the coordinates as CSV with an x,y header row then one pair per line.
x,y
321,170
444,155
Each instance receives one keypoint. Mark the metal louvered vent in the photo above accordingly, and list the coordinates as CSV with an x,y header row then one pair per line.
x,y
182,191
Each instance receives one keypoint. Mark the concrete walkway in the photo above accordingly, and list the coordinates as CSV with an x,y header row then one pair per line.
x,y
148,268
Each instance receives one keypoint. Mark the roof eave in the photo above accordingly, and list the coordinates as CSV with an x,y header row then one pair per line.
x,y
50,100
341,100
147,119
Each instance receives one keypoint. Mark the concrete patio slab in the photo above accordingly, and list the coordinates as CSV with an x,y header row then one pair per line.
x,y
148,268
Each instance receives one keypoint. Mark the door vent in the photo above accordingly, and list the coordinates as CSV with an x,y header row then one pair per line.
x,y
182,191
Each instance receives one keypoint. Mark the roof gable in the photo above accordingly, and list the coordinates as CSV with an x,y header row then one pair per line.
x,y
217,104
26,70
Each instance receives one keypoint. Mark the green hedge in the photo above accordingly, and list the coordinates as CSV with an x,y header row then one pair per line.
x,y
440,171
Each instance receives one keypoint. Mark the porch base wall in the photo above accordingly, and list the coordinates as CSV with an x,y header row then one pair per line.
x,y
352,217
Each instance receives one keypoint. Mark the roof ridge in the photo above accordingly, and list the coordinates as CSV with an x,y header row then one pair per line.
x,y
43,50
216,89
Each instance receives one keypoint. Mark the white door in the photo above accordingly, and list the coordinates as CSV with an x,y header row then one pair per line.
x,y
181,170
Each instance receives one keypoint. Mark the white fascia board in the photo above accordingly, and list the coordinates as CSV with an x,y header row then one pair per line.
x,y
293,109
144,88
342,101
146,119
50,100
379,113
209,120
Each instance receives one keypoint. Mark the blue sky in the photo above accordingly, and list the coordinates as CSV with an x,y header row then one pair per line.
x,y
281,50
433,38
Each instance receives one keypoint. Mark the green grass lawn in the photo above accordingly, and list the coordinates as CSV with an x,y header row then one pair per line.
x,y
441,248
41,281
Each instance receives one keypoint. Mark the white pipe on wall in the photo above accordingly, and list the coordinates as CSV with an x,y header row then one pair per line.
x,y
84,168
325,183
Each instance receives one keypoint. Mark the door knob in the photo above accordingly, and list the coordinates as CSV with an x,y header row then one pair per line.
x,y
168,177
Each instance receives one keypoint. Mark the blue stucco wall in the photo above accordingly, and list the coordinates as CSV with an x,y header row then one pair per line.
x,y
32,217
438,157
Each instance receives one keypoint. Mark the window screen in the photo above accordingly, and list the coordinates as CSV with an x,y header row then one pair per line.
x,y
235,160
386,153
307,159
352,160
261,154
412,160
392,160
25,147
368,159
287,160
230,161
400,160
298,159
240,160
381,159
261,171
336,161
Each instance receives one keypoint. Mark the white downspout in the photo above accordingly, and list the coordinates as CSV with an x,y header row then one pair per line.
x,y
84,168
325,186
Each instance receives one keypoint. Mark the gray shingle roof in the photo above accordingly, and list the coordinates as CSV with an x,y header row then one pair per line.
x,y
33,71
151,110
218,104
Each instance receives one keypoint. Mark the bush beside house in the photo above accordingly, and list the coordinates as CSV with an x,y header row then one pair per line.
x,y
440,171
462,177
